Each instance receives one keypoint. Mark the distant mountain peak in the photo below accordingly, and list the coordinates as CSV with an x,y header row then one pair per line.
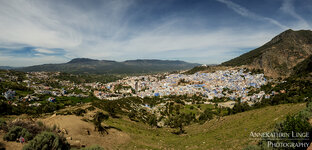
x,y
82,60
152,60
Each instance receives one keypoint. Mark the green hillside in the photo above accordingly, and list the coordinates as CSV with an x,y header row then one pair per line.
x,y
230,132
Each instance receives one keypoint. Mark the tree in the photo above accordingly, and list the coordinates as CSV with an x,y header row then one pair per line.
x,y
239,107
206,115
110,108
99,117
178,121
47,141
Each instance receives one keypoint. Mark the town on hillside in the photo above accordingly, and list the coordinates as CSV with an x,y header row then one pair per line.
x,y
232,85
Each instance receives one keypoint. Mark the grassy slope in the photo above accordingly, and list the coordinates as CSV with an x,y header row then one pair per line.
x,y
230,132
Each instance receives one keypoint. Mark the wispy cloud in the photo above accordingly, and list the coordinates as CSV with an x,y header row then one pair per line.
x,y
247,13
47,31
288,8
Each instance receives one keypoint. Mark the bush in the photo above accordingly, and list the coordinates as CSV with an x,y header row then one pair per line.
x,y
31,126
131,115
91,108
294,123
17,132
3,125
206,115
152,120
79,112
5,108
94,147
2,146
47,141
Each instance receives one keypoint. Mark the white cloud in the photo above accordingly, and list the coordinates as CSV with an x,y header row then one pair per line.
x,y
27,61
104,32
46,51
247,13
288,8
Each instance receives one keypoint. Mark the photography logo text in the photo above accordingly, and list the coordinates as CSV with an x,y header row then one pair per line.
x,y
283,139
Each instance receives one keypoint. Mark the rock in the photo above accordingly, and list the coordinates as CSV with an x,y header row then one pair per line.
x,y
69,138
64,131
75,144
87,132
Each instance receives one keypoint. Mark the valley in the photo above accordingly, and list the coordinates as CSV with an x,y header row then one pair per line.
x,y
207,107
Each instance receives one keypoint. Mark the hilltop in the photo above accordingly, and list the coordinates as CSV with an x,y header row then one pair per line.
x,y
279,56
93,66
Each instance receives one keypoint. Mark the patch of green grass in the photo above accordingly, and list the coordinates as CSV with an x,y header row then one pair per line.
x,y
196,108
229,132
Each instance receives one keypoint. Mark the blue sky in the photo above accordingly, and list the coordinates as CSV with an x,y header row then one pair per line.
x,y
202,31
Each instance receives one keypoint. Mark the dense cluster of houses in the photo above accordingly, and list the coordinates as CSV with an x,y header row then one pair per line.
x,y
232,84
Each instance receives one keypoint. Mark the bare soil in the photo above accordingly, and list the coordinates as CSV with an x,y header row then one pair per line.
x,y
78,136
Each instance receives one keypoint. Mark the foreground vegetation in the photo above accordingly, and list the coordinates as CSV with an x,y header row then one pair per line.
x,y
229,132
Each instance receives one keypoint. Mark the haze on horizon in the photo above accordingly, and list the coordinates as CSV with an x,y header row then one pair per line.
x,y
201,31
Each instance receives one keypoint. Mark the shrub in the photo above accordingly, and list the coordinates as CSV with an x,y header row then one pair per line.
x,y
79,112
206,115
131,115
3,125
40,124
47,141
31,126
91,108
94,147
2,146
17,132
294,123
5,108
152,120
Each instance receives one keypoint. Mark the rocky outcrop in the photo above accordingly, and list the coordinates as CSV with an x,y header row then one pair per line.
x,y
279,56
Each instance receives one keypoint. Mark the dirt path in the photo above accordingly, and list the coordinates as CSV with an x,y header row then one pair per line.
x,y
77,132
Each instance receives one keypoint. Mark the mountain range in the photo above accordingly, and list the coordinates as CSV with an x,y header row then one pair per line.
x,y
288,53
93,66
280,56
